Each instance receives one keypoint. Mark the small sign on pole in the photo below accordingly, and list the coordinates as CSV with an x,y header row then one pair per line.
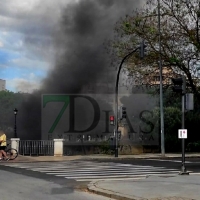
x,y
189,101
182,133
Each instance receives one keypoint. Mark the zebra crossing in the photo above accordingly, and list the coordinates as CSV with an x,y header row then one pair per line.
x,y
92,171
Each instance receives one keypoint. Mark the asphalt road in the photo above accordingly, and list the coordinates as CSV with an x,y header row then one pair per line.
x,y
17,186
30,180
191,164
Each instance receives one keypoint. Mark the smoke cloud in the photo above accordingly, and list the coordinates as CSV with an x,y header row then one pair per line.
x,y
80,56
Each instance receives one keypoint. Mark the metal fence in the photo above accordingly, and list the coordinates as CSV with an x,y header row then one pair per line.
x,y
88,146
36,147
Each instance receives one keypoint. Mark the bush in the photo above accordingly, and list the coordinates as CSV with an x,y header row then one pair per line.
x,y
193,147
172,143
105,148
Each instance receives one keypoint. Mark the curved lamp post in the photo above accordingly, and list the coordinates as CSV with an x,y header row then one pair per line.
x,y
15,113
116,100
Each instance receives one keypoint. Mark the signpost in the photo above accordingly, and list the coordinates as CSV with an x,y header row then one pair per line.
x,y
180,87
182,133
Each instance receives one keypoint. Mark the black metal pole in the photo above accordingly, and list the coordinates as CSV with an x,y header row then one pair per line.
x,y
116,101
183,168
15,127
82,144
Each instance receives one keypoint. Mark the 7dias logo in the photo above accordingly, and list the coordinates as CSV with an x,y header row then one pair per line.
x,y
69,115
76,105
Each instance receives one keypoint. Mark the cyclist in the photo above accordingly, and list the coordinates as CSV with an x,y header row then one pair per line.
x,y
3,146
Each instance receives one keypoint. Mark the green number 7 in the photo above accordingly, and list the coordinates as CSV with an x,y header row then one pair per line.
x,y
56,98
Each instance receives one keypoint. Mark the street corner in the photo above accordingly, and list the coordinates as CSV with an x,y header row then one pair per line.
x,y
171,198
93,188
102,187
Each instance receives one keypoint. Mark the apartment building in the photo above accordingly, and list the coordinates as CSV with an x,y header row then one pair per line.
x,y
2,84
153,80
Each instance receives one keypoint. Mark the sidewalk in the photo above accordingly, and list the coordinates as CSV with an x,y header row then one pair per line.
x,y
178,187
21,158
26,159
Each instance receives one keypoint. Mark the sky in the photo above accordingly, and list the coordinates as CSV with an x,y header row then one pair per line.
x,y
26,46
28,30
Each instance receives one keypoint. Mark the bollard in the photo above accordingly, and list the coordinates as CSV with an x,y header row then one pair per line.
x,y
58,147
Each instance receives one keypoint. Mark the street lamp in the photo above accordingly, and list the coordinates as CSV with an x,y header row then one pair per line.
x,y
141,49
15,113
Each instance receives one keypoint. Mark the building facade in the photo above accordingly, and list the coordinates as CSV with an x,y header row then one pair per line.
x,y
2,85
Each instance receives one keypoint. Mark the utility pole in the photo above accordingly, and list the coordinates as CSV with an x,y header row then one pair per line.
x,y
161,89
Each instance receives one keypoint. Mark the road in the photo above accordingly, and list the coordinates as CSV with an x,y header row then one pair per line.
x,y
56,180
192,164
22,187
88,170
80,170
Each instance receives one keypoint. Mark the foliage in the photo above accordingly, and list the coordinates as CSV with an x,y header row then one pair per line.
x,y
193,147
180,40
172,122
180,55
8,101
172,143
172,118
105,147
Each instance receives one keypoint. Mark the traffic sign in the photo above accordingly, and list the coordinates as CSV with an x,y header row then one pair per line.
x,y
182,133
189,101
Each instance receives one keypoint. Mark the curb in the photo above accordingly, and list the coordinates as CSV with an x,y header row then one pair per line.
x,y
141,158
24,159
92,187
28,160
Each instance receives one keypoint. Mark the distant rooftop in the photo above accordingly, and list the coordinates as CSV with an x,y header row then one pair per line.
x,y
2,84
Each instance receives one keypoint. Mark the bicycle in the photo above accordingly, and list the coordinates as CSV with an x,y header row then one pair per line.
x,y
11,153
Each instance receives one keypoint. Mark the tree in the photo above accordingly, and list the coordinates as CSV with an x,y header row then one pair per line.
x,y
180,40
8,101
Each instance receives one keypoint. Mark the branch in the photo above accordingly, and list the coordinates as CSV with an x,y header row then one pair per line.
x,y
197,25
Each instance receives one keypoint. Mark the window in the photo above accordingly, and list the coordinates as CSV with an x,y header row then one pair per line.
x,y
157,78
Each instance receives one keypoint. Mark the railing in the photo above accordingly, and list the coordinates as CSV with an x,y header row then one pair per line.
x,y
78,138
87,145
36,147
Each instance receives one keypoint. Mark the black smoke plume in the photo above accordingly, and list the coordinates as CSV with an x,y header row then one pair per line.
x,y
81,57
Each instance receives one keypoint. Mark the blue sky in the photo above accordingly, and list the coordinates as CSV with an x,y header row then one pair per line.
x,y
26,46
17,68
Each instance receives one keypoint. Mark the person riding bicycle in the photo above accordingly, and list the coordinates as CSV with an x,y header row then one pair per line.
x,y
3,146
